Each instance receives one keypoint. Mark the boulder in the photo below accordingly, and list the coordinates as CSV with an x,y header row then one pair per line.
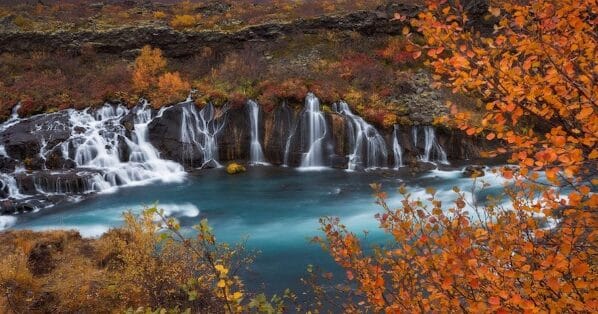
x,y
235,168
474,171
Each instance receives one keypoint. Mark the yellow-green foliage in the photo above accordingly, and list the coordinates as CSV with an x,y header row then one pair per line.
x,y
234,168
183,21
146,263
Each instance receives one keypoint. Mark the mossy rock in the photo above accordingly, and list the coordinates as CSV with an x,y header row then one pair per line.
x,y
234,168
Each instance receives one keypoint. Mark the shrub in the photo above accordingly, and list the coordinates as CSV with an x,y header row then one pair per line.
x,y
23,22
147,263
183,21
159,15
148,66
171,88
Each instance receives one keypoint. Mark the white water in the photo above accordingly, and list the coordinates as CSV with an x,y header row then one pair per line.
x,y
256,154
314,131
12,120
396,148
367,146
433,152
8,183
198,133
97,138
291,134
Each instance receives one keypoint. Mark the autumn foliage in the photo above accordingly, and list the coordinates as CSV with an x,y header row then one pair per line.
x,y
535,251
145,266
151,79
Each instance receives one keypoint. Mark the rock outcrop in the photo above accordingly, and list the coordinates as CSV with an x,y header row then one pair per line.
x,y
177,43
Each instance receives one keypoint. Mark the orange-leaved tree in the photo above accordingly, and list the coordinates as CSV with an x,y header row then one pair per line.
x,y
150,78
535,75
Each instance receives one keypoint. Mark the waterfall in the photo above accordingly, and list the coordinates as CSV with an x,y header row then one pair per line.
x,y
198,134
98,140
367,146
396,148
291,133
314,131
9,187
433,152
256,153
12,120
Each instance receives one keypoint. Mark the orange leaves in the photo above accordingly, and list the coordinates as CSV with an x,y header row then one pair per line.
x,y
150,78
537,97
148,65
494,300
585,113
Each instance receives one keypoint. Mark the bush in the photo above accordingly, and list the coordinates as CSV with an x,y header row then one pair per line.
x,y
183,21
159,15
146,263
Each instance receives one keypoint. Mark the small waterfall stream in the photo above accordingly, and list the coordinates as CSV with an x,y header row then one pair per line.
x,y
198,134
433,152
256,154
291,133
12,120
397,150
313,129
367,146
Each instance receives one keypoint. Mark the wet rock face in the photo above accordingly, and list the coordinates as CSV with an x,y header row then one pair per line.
x,y
278,125
235,137
24,140
165,135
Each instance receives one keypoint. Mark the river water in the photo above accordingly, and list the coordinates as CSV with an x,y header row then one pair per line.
x,y
275,209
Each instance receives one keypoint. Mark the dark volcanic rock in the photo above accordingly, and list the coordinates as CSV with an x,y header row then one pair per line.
x,y
24,140
78,181
165,134
234,139
183,43
278,124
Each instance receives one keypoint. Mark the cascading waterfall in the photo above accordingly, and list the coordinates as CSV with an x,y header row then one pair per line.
x,y
256,154
9,187
433,152
367,146
98,145
12,120
314,131
97,139
396,147
198,133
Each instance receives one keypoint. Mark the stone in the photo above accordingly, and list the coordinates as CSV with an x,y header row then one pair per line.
x,y
235,168
474,171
